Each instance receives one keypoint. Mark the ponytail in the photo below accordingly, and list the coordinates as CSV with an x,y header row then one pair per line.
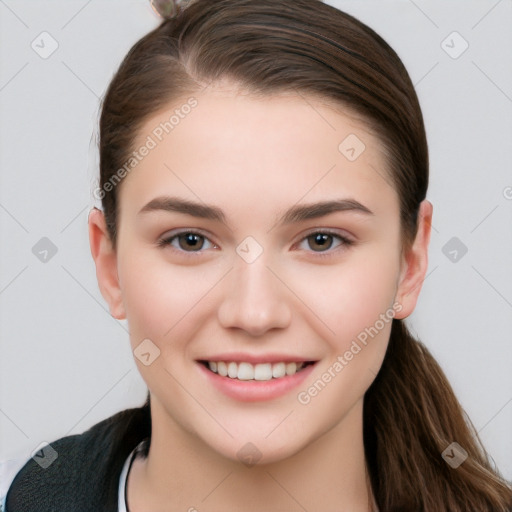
x,y
411,416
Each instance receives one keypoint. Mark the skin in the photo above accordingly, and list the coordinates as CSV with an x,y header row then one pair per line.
x,y
254,158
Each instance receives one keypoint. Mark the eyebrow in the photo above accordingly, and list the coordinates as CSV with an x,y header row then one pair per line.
x,y
295,214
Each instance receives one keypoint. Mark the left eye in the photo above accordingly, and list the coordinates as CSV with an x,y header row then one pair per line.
x,y
323,241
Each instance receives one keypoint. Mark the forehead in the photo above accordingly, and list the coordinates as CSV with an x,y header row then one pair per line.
x,y
277,149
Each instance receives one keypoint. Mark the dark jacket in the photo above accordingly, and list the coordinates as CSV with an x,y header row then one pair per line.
x,y
85,475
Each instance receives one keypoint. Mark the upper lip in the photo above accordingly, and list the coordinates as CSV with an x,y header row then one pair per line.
x,y
257,359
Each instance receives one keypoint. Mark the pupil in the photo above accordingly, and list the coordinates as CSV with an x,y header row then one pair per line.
x,y
191,241
322,239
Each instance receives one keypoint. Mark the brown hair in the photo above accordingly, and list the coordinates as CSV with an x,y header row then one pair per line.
x,y
411,414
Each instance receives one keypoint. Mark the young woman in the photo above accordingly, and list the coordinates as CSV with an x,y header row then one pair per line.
x,y
265,232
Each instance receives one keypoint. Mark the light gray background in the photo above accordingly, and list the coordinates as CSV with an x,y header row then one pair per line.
x,y
66,364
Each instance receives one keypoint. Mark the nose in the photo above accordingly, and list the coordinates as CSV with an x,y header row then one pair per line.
x,y
254,300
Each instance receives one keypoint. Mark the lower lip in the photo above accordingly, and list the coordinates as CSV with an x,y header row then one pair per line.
x,y
255,390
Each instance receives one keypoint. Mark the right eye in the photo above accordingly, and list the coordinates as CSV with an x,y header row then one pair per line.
x,y
187,241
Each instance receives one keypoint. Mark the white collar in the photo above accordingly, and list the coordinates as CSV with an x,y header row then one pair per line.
x,y
122,507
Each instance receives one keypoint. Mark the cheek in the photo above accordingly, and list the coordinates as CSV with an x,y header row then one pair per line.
x,y
357,305
351,296
155,295
163,302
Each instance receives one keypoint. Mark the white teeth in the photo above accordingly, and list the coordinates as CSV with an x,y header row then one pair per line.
x,y
248,371
278,370
222,369
233,370
245,371
291,368
263,371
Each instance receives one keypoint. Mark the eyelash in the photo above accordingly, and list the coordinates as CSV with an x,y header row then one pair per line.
x,y
345,242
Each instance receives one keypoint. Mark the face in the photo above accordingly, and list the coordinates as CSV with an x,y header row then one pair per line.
x,y
258,237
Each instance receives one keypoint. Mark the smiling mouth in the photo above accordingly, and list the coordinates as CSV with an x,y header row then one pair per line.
x,y
255,372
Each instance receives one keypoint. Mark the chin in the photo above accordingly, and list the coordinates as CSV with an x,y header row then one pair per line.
x,y
259,452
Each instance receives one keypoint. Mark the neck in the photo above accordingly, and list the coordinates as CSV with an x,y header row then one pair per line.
x,y
182,473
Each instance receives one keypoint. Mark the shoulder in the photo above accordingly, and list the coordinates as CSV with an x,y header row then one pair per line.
x,y
8,470
79,472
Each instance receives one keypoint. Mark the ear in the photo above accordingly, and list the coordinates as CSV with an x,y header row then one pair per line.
x,y
414,263
105,258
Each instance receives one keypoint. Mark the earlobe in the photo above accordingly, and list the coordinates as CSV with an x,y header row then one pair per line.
x,y
105,259
415,263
